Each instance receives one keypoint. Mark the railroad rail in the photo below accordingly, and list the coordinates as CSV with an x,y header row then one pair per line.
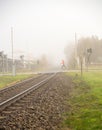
x,y
19,83
20,95
19,87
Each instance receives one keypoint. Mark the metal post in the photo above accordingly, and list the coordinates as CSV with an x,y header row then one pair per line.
x,y
7,65
2,53
75,46
81,66
76,55
13,64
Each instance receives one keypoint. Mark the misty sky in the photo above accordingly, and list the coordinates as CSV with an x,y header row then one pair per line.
x,y
47,26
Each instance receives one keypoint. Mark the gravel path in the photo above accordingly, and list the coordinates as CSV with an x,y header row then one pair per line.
x,y
42,109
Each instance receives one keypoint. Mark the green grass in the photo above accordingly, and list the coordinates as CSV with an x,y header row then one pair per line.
x,y
85,103
9,80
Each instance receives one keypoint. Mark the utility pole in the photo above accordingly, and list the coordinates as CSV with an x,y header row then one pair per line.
x,y
75,45
81,64
2,61
76,55
13,64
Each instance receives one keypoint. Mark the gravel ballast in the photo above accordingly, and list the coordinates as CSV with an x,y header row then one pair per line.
x,y
42,109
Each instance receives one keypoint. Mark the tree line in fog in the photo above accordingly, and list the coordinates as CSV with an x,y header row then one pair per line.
x,y
87,48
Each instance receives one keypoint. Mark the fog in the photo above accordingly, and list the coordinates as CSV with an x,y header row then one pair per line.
x,y
46,27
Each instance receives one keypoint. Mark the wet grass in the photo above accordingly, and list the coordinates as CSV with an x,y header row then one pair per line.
x,y
85,103
9,80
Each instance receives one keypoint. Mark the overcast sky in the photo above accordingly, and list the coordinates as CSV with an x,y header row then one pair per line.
x,y
47,26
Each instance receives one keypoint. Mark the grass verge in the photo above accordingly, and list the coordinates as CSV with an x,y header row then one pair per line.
x,y
85,103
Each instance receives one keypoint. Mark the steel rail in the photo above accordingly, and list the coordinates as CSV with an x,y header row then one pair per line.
x,y
19,83
15,98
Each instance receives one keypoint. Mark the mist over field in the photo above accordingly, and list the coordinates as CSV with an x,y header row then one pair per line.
x,y
47,28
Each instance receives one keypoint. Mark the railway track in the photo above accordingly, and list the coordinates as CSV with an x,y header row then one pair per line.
x,y
18,91
24,90
13,90
40,108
